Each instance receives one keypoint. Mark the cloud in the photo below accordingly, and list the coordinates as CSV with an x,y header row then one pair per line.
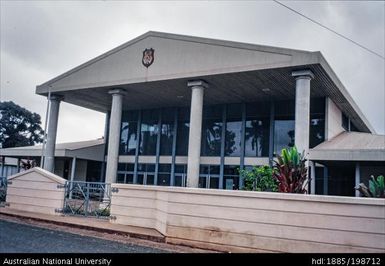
x,y
42,39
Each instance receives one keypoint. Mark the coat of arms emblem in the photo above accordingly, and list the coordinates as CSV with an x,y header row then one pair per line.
x,y
148,57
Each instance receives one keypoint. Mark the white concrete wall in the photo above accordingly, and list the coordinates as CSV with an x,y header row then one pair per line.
x,y
241,221
333,125
35,190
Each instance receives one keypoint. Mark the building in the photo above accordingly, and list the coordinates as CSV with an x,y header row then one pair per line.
x,y
189,111
79,161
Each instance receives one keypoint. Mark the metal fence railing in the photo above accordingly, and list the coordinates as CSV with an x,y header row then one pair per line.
x,y
87,198
3,189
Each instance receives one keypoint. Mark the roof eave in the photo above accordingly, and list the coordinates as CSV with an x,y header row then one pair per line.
x,y
347,155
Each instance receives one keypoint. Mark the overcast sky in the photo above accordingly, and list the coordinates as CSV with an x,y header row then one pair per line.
x,y
42,39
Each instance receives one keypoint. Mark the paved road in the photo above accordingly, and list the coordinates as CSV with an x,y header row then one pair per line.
x,y
17,237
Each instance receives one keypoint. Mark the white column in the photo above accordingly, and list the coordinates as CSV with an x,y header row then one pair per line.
x,y
195,133
114,135
103,166
358,178
312,177
73,169
302,109
49,152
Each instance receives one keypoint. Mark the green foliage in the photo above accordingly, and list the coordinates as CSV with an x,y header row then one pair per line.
x,y
18,126
73,210
291,171
376,187
259,179
102,212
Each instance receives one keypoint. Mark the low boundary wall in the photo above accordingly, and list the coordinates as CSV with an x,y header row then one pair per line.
x,y
35,190
244,221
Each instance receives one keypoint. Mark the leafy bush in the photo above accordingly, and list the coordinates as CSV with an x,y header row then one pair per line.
x,y
102,212
291,171
259,179
376,188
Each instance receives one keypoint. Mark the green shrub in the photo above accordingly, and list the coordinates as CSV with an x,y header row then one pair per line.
x,y
102,212
259,179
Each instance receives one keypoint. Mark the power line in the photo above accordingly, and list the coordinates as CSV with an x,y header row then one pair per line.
x,y
329,29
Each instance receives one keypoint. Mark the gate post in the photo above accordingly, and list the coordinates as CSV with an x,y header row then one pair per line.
x,y
87,199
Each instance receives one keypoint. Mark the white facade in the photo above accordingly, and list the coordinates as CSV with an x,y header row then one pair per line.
x,y
196,73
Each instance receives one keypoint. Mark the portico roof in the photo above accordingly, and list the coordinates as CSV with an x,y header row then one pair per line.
x,y
351,146
88,150
235,72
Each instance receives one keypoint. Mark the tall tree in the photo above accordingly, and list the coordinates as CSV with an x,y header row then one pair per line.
x,y
18,126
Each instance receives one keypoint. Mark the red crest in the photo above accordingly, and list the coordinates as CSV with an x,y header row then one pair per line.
x,y
148,57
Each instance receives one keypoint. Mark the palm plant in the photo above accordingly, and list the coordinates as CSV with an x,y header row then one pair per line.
x,y
291,171
376,187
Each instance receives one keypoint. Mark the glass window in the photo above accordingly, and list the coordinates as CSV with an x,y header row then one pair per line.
x,y
202,181
149,132
121,166
257,137
180,175
233,130
317,105
120,178
146,174
150,179
128,133
284,108
181,168
164,174
183,131
317,130
209,176
167,132
317,121
125,173
257,129
212,130
283,135
231,177
284,125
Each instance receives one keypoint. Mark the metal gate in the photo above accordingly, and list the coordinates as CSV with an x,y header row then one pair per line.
x,y
87,199
3,190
